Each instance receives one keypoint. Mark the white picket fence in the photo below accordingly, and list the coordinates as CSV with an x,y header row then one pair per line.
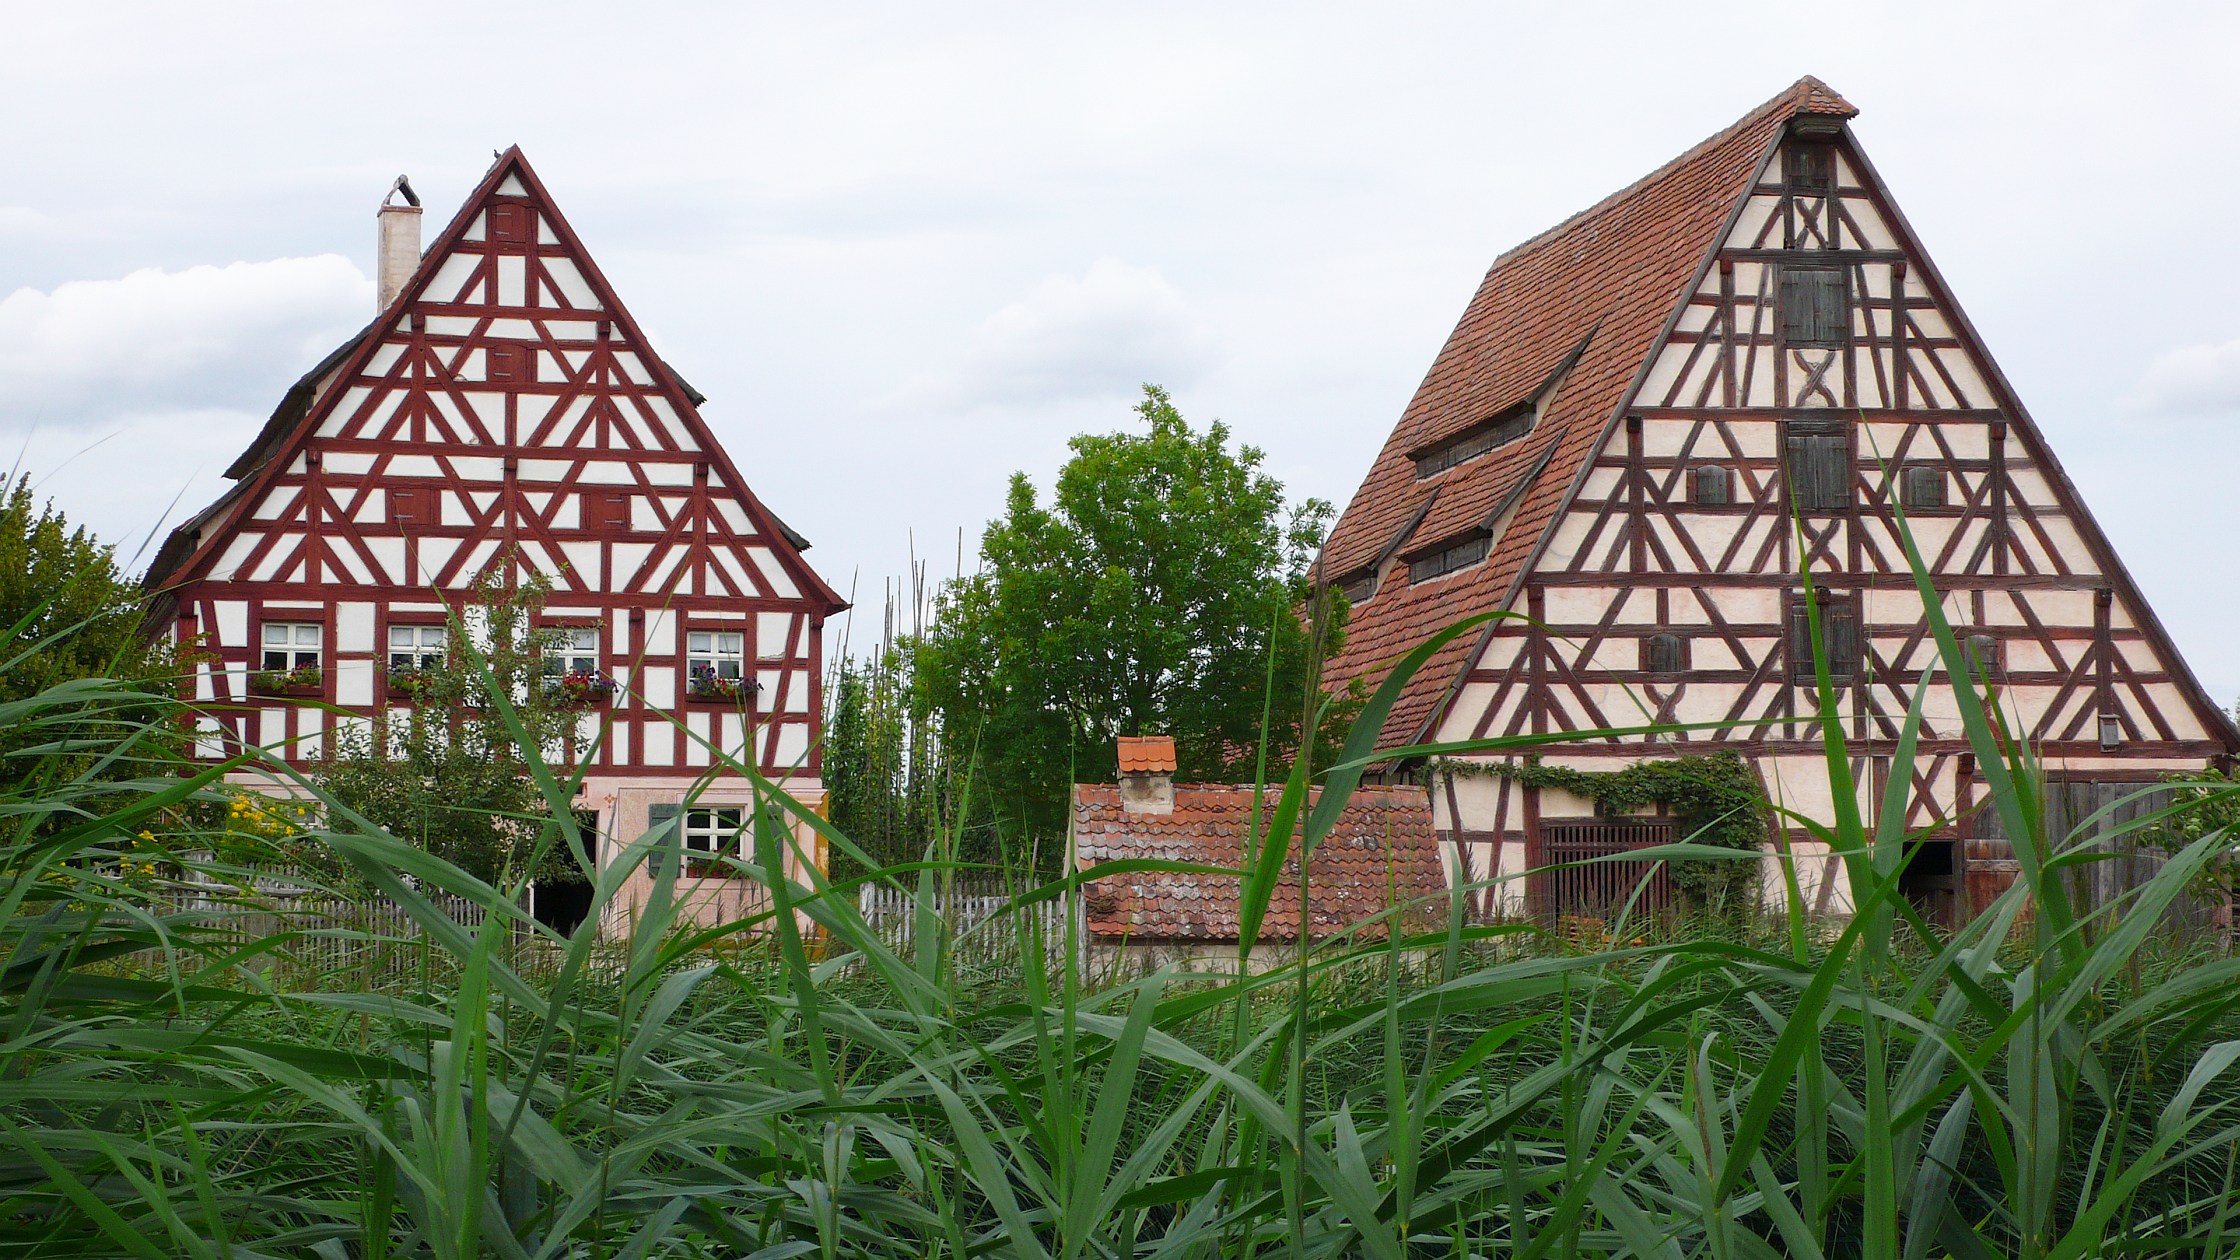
x,y
970,913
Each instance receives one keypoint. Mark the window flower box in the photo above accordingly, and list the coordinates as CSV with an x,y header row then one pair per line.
x,y
303,680
409,684
706,685
582,686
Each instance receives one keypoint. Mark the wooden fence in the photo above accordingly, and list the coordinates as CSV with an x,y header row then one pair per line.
x,y
372,939
970,913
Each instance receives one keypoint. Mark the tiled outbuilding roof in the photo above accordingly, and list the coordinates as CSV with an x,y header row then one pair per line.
x,y
1381,849
1609,276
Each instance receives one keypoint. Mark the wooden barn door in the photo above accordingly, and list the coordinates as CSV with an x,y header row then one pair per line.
x,y
2072,802
1568,883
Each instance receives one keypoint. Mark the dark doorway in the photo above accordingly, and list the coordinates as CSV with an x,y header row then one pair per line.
x,y
562,905
1931,882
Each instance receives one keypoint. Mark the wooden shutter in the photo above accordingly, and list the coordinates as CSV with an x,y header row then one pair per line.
x,y
604,509
1819,465
1713,486
509,224
1814,309
1664,654
667,858
1811,167
1983,653
407,506
1840,627
1839,638
1924,487
512,365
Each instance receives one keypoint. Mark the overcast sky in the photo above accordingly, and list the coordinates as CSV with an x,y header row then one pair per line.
x,y
906,250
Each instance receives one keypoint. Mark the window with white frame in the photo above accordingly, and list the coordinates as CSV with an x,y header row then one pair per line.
x,y
574,650
716,665
722,652
416,647
291,645
710,835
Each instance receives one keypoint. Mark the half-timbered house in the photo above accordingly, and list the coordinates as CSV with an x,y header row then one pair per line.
x,y
1612,441
504,415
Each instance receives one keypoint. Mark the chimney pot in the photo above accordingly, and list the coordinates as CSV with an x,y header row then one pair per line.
x,y
397,252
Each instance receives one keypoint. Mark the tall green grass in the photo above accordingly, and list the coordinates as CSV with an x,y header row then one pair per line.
x,y
2045,1081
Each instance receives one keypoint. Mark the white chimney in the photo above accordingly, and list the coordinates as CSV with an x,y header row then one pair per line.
x,y
398,253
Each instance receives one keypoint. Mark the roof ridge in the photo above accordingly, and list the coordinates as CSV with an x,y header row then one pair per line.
x,y
1795,96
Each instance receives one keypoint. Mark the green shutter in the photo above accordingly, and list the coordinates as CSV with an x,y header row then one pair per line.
x,y
665,859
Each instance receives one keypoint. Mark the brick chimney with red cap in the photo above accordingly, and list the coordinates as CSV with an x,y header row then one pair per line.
x,y
1147,774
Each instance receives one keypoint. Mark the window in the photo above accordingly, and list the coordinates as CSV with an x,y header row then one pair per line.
x,y
1711,486
1839,638
1815,306
410,506
715,665
1664,654
710,835
1810,167
723,652
1456,555
1818,462
604,509
1476,440
1922,487
1360,587
574,650
416,647
515,365
290,645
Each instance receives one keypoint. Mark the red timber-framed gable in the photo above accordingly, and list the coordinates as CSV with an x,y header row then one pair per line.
x,y
505,404
1765,330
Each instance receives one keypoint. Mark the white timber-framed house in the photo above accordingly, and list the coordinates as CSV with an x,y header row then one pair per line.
x,y
504,409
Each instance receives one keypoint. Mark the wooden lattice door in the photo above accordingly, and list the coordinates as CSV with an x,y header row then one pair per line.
x,y
1567,881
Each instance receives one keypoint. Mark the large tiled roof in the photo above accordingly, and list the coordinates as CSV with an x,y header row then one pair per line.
x,y
1609,276
1382,845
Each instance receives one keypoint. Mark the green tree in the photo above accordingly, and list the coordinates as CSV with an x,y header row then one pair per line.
x,y
61,590
1147,598
450,776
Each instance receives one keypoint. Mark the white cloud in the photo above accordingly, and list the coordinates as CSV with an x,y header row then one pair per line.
x,y
1105,331
89,351
2189,381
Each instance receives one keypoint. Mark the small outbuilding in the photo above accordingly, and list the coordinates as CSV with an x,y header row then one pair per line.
x,y
1382,853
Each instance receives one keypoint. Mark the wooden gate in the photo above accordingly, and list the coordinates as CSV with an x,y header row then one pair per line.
x,y
1567,881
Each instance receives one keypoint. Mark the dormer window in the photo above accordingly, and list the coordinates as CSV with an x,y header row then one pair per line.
x,y
1359,586
1491,434
1459,554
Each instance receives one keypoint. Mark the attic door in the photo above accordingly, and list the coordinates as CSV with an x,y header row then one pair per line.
x,y
1568,880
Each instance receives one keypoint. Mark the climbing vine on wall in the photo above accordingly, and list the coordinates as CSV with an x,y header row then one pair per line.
x,y
1714,798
